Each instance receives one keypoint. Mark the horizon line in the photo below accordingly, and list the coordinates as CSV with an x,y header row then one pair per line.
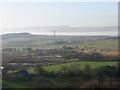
x,y
58,34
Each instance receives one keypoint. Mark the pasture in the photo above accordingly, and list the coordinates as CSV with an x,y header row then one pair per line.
x,y
82,64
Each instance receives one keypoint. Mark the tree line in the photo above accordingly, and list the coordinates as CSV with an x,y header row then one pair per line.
x,y
66,73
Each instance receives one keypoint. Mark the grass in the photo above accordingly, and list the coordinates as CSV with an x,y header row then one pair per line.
x,y
82,64
56,82
31,70
8,84
48,44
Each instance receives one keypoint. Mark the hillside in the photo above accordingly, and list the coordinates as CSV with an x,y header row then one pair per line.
x,y
40,41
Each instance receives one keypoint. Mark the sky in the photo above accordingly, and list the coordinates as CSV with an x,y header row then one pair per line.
x,y
74,14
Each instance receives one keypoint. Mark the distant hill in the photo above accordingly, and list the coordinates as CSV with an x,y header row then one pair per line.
x,y
32,40
17,35
71,29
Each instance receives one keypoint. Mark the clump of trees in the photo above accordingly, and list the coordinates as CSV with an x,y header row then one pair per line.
x,y
95,56
70,71
9,49
107,83
21,75
100,77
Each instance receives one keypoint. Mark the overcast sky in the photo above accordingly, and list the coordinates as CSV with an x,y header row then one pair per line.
x,y
78,14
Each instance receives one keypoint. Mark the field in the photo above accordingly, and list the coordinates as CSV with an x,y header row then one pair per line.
x,y
99,44
57,82
8,84
82,64
47,42
39,61
90,46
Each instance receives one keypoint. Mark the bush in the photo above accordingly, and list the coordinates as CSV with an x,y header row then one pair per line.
x,y
91,84
104,71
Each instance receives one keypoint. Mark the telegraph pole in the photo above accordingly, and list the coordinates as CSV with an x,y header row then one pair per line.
x,y
54,37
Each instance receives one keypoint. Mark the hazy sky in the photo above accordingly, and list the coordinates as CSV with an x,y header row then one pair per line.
x,y
74,14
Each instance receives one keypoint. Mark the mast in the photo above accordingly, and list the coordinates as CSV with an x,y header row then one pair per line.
x,y
54,37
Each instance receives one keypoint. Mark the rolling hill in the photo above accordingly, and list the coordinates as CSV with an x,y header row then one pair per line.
x,y
38,41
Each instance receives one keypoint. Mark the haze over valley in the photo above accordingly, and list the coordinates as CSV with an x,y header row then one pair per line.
x,y
66,30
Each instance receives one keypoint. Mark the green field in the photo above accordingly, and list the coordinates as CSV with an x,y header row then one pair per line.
x,y
8,84
47,42
97,44
82,64
56,82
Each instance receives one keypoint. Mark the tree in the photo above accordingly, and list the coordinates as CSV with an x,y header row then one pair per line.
x,y
40,70
29,49
104,71
22,75
41,82
118,69
87,71
91,84
63,69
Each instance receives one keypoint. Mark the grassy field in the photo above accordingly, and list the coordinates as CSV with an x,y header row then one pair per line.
x,y
100,44
8,84
56,82
112,45
82,64
47,42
